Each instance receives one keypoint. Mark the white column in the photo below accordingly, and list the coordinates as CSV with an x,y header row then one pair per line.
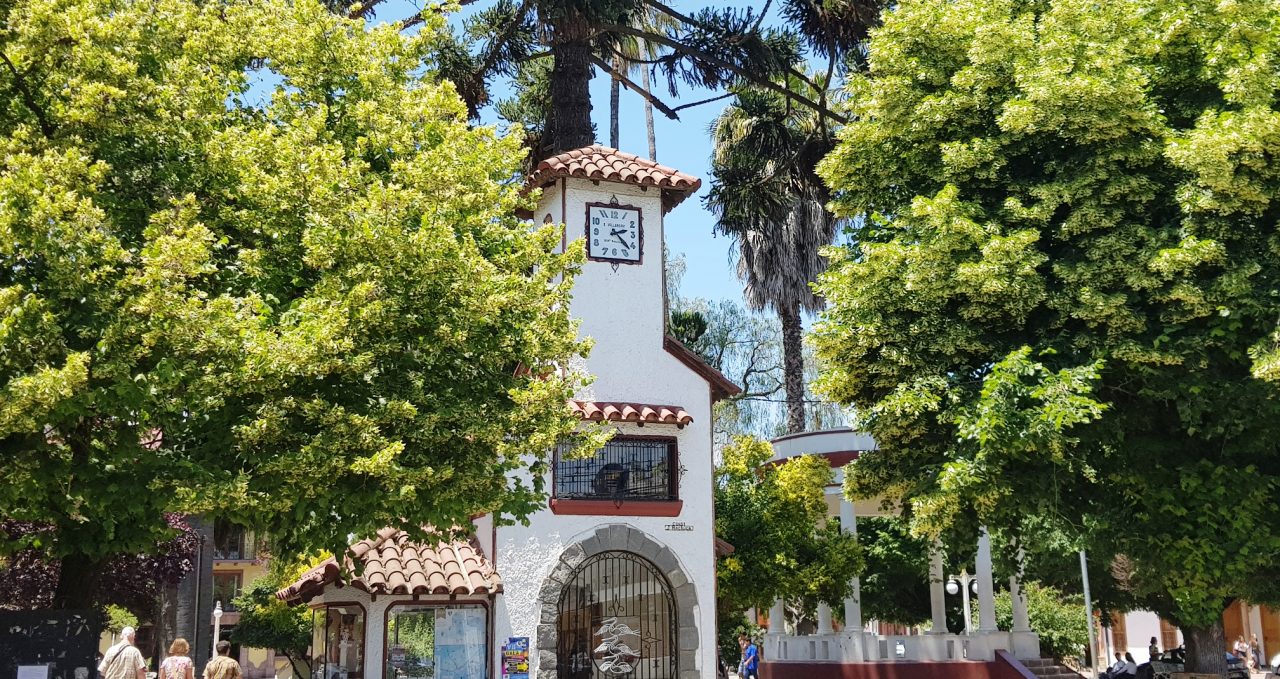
x,y
751,615
777,618
824,619
986,584
1255,627
852,604
1021,621
937,596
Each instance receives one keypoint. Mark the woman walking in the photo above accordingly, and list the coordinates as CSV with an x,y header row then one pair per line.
x,y
177,665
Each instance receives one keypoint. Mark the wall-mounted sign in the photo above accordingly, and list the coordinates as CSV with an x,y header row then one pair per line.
x,y
679,527
515,658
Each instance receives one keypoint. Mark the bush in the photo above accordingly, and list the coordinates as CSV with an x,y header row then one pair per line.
x,y
1057,618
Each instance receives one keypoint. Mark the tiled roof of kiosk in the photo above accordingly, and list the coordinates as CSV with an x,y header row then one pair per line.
x,y
601,411
396,564
602,163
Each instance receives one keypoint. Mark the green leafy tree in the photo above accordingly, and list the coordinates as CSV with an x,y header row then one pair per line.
x,y
1056,618
775,517
1063,295
255,263
267,622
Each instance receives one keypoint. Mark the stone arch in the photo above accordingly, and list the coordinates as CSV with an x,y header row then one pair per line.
x,y
619,537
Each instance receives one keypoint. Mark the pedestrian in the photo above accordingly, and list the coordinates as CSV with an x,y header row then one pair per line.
x,y
1255,652
1153,650
1130,665
124,660
1117,667
177,665
222,667
742,655
751,661
1241,648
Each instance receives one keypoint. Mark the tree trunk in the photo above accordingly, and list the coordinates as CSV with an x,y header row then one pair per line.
x,y
78,579
615,91
648,111
571,73
1206,648
793,367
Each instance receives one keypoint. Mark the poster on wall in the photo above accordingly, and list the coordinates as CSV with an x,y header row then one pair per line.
x,y
515,658
460,643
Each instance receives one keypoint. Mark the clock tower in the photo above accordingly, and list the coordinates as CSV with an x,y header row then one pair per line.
x,y
612,204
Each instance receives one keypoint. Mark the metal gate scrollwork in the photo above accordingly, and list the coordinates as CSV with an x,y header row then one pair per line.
x,y
616,620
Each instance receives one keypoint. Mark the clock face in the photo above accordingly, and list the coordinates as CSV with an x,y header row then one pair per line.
x,y
614,233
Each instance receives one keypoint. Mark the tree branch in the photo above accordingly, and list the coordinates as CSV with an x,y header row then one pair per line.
x,y
682,107
29,99
666,110
409,21
729,66
491,56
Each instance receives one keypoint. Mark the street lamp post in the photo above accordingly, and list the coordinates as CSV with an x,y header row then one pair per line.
x,y
217,627
964,584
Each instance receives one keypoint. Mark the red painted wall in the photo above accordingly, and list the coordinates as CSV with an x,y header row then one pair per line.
x,y
881,670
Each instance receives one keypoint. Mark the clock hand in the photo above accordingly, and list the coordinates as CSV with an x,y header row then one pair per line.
x,y
617,232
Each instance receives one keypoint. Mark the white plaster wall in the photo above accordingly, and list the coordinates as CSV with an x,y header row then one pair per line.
x,y
622,311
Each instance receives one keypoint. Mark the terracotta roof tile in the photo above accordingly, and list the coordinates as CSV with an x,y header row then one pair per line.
x,y
602,163
394,564
605,411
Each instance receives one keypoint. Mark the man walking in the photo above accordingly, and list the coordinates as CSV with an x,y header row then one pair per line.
x,y
124,660
751,661
222,667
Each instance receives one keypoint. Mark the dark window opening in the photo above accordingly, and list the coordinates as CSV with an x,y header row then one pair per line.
x,y
232,542
624,469
226,587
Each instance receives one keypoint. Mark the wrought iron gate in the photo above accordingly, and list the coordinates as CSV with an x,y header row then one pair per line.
x,y
617,620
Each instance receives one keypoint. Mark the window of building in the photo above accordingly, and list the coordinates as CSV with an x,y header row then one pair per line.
x,y
626,468
437,641
226,587
232,542
337,642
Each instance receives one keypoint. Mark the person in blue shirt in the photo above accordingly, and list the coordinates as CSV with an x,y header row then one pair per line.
x,y
751,661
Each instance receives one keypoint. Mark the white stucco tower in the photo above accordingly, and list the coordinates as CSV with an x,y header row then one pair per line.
x,y
617,574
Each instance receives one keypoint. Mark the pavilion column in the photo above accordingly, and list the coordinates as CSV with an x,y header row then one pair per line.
x,y
777,618
824,619
937,596
1018,598
1021,621
986,584
853,603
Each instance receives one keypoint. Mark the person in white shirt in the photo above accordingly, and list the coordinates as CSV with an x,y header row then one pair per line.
x,y
1130,665
1116,669
124,660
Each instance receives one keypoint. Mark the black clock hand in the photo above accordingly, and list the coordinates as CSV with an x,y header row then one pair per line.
x,y
617,232
621,242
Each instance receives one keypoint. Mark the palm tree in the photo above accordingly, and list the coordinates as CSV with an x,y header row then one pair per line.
x,y
714,48
767,197
628,54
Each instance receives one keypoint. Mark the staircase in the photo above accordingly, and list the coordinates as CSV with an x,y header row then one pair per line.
x,y
1046,668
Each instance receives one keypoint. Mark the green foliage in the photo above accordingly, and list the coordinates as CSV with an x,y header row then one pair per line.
x,y
775,517
267,622
1057,619
118,618
255,262
895,581
1066,283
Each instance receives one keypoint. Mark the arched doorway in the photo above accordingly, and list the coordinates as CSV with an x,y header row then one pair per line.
x,y
616,618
